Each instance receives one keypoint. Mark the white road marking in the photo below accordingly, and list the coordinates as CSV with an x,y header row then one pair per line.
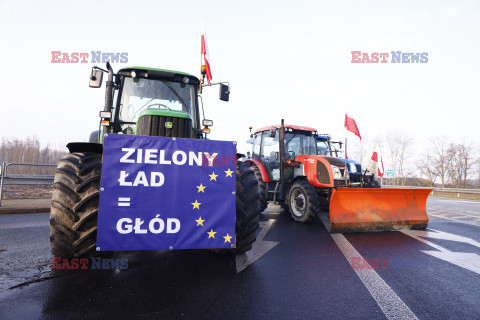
x,y
392,306
460,221
469,261
466,260
437,234
259,248
458,214
457,200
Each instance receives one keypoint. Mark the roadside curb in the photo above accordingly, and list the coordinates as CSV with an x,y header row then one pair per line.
x,y
23,210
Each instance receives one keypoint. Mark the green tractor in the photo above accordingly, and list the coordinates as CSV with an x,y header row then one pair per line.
x,y
145,102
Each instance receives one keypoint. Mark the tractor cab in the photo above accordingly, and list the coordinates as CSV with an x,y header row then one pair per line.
x,y
152,102
156,102
326,147
299,141
285,155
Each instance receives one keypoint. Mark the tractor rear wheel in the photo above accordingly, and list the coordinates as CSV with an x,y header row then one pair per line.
x,y
261,188
247,210
303,202
74,211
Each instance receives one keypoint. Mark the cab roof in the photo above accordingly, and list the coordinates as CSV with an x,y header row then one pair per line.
x,y
290,126
161,73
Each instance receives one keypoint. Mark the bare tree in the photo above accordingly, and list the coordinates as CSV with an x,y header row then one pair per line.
x,y
28,151
460,164
398,144
439,158
427,171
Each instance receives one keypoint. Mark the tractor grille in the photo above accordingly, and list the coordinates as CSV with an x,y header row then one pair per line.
x,y
322,173
161,126
359,167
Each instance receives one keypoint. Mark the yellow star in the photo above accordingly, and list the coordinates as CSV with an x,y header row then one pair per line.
x,y
211,234
196,205
229,173
228,238
213,176
201,188
200,222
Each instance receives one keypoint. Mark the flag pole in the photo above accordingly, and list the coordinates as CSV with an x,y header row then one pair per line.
x,y
201,58
345,126
345,172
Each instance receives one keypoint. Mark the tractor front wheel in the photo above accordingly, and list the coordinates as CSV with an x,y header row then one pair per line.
x,y
247,210
303,202
261,188
74,211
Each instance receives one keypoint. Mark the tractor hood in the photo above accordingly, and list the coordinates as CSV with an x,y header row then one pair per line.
x,y
335,161
322,171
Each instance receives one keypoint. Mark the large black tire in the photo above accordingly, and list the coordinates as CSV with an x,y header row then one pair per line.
x,y
74,211
247,209
303,202
261,188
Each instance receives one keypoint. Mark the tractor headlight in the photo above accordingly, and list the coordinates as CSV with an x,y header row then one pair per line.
x,y
337,175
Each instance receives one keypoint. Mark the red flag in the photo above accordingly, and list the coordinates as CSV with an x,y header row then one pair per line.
x,y
351,126
376,156
205,56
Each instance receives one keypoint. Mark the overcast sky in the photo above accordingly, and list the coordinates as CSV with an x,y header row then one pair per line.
x,y
289,59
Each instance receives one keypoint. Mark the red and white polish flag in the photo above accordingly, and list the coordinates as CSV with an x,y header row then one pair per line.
x,y
351,126
205,56
377,157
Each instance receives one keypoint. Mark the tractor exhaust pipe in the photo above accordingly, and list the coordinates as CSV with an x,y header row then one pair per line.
x,y
283,162
109,89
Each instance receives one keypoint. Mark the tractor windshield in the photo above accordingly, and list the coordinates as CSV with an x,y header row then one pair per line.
x,y
300,143
143,94
323,148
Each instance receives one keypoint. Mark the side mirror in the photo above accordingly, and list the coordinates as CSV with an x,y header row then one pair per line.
x,y
96,78
273,132
224,92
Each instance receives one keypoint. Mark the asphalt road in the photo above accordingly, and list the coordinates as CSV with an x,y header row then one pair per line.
x,y
295,271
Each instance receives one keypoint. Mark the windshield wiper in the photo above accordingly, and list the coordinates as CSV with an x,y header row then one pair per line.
x,y
291,139
144,105
178,96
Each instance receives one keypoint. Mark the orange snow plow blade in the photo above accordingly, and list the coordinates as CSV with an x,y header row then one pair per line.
x,y
368,209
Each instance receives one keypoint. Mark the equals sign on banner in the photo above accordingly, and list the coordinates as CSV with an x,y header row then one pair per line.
x,y
124,202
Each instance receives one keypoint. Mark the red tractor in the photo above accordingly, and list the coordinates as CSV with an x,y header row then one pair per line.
x,y
291,171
